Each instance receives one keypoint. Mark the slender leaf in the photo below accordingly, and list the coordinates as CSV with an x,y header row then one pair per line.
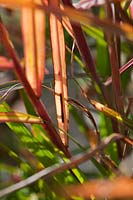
x,y
118,188
111,113
33,30
14,116
60,77
18,3
95,33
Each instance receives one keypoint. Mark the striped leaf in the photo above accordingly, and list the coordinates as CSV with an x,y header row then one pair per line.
x,y
60,77
33,30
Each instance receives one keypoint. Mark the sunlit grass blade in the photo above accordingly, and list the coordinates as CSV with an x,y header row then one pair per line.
x,y
33,30
108,111
95,33
60,77
17,3
19,117
111,113
118,188
67,25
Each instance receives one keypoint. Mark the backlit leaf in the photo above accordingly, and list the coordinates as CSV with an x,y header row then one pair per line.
x,y
14,116
33,29
17,3
118,188
111,113
59,61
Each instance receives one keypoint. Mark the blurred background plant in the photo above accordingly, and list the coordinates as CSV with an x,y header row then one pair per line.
x,y
66,99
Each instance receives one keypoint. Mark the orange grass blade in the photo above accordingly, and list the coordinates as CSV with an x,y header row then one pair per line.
x,y
85,18
17,3
67,25
33,29
59,61
120,187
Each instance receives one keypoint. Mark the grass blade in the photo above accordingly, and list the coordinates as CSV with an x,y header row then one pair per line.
x,y
111,113
60,77
118,188
18,3
33,30
19,117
